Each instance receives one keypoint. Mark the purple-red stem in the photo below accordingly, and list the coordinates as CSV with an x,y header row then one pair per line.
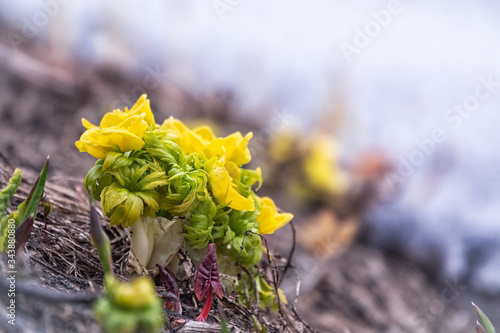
x,y
206,308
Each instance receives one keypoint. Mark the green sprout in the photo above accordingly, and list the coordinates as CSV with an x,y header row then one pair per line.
x,y
126,307
22,218
484,325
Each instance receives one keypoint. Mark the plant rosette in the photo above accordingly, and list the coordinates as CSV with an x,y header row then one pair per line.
x,y
176,187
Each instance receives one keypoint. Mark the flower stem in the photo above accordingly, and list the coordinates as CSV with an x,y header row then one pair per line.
x,y
206,308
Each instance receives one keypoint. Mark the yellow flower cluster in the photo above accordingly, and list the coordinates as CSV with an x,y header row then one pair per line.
x,y
124,131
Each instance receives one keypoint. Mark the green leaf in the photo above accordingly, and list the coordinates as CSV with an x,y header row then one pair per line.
x,y
165,151
483,319
151,181
248,179
116,160
101,241
96,179
113,196
151,199
30,205
198,230
479,328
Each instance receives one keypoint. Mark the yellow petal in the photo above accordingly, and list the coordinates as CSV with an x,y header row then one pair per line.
x,y
195,141
269,219
123,139
113,118
87,124
136,125
98,141
143,106
205,133
237,201
233,170
241,154
234,147
174,125
223,189
116,117
190,142
98,152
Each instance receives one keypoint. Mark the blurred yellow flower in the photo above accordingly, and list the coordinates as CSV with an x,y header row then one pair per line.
x,y
322,168
221,175
136,294
122,129
283,146
269,218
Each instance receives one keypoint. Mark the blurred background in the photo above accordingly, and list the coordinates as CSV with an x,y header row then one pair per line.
x,y
383,114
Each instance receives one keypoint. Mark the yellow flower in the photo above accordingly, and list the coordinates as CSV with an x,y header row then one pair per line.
x,y
202,140
226,155
234,147
122,129
190,141
269,218
174,126
142,106
225,191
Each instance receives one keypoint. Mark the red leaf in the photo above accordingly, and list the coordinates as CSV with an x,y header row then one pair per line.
x,y
23,232
167,281
171,303
207,279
